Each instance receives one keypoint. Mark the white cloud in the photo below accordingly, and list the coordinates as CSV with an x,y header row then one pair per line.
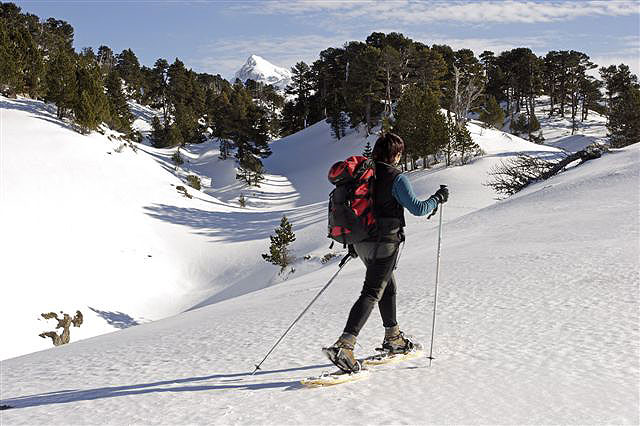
x,y
496,45
417,12
628,53
226,56
603,61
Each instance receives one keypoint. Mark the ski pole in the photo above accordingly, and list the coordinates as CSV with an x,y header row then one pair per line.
x,y
342,263
435,296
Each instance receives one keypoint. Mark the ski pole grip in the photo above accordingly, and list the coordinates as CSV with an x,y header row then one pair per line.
x,y
443,187
437,206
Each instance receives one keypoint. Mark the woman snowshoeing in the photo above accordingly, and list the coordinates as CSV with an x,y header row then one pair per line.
x,y
393,193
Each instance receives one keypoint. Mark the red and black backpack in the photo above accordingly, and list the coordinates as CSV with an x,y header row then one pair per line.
x,y
351,217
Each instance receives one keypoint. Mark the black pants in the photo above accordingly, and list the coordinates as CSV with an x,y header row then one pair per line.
x,y
379,286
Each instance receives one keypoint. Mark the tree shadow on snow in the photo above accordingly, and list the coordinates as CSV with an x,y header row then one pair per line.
x,y
38,109
116,319
235,226
542,154
233,381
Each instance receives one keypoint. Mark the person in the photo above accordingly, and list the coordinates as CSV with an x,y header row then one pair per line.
x,y
392,194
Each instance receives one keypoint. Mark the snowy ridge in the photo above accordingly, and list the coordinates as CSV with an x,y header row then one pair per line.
x,y
259,69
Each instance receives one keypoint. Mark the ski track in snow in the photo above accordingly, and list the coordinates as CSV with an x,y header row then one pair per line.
x,y
537,311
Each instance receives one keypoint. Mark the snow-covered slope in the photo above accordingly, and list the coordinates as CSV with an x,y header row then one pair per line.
x,y
113,238
88,224
259,69
76,231
556,130
538,312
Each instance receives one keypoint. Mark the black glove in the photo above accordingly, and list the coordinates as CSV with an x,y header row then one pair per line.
x,y
352,251
441,195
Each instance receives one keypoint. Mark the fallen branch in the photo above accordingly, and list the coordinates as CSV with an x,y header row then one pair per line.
x,y
65,324
516,174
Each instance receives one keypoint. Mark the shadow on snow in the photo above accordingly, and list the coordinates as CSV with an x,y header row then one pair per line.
x,y
39,109
116,319
241,381
235,226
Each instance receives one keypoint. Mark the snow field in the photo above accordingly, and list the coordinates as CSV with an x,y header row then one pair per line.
x,y
534,327
538,301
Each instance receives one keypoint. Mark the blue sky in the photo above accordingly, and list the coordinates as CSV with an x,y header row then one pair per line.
x,y
218,36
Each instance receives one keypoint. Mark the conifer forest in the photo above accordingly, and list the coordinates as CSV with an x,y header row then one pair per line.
x,y
424,93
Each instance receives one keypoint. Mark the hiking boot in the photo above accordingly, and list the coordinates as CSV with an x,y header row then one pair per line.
x,y
341,354
396,342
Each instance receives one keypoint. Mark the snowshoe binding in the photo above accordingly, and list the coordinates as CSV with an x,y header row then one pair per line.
x,y
341,355
399,344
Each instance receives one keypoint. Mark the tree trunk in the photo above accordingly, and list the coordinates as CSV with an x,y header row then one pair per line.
x,y
584,155
387,107
574,110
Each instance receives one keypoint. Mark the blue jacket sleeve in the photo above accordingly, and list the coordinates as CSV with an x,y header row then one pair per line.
x,y
403,193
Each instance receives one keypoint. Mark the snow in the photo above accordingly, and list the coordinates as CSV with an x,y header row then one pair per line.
x,y
556,130
259,69
537,309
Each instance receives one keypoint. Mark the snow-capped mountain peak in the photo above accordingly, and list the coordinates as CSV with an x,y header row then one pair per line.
x,y
259,69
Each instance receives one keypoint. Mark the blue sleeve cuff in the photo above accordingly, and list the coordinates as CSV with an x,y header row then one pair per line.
x,y
403,193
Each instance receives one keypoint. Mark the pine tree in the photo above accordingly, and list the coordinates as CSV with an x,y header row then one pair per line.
x,y
128,67
300,87
12,45
290,122
591,96
279,253
577,67
158,133
159,89
250,169
364,89
174,137
238,120
463,143
621,89
187,102
420,123
35,66
61,81
492,114
106,59
21,59
90,107
449,147
624,123
390,67
427,68
338,122
120,117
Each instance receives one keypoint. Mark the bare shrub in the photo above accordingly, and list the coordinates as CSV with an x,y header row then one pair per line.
x,y
182,190
194,182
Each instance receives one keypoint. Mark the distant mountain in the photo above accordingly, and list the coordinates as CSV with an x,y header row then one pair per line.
x,y
259,69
